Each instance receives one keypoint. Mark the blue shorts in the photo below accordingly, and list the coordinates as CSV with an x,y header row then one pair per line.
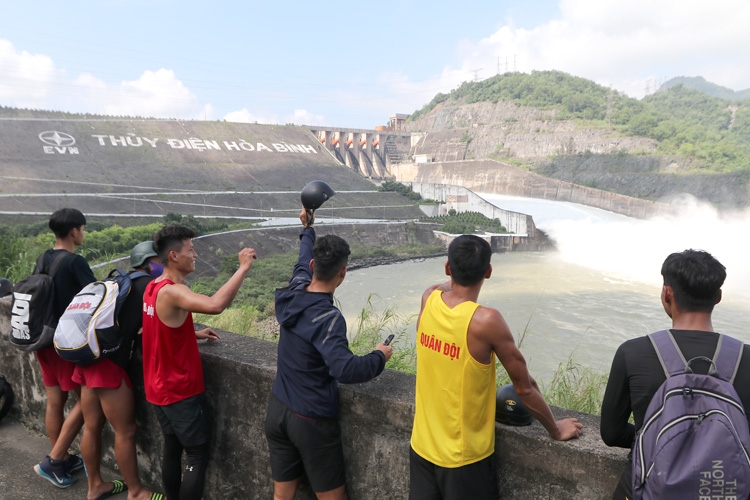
x,y
300,445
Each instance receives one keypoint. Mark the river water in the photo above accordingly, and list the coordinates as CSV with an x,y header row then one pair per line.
x,y
599,288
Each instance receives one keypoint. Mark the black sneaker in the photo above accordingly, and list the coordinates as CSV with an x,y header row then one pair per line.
x,y
55,474
73,463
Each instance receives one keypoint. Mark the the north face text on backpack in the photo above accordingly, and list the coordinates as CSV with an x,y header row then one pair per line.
x,y
714,486
19,321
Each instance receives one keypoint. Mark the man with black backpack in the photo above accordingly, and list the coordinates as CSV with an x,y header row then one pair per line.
x,y
697,431
72,274
106,391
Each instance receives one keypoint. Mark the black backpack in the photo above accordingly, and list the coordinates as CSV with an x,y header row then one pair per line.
x,y
32,316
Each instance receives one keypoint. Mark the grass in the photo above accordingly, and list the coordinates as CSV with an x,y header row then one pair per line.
x,y
373,326
18,255
243,319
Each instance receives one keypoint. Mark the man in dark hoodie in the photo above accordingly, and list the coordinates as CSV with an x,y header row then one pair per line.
x,y
301,427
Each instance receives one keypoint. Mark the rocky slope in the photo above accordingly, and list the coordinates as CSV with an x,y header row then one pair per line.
x,y
568,150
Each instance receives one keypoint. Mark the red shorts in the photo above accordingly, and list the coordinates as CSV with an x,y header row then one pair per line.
x,y
55,370
104,374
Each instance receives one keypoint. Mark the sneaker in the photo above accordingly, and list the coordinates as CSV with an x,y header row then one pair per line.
x,y
73,463
55,474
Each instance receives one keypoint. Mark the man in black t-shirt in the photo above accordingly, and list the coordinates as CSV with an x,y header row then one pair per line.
x,y
74,273
692,287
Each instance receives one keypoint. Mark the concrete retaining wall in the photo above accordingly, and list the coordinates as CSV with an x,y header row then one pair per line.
x,y
489,176
376,421
525,237
462,200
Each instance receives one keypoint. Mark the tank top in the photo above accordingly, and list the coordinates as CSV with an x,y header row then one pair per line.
x,y
454,419
172,369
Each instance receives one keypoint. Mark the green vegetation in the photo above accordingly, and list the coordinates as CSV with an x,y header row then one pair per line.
x,y
466,223
699,83
573,97
374,325
406,191
573,386
21,244
401,189
712,131
255,297
18,254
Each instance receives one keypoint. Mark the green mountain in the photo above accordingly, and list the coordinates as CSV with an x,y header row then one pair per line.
x,y
699,83
711,132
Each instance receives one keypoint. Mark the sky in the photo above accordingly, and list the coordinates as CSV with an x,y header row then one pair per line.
x,y
345,64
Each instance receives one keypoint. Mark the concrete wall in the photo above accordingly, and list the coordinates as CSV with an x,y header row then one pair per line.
x,y
462,200
489,176
525,234
376,421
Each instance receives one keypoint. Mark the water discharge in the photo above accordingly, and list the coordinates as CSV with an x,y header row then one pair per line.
x,y
598,289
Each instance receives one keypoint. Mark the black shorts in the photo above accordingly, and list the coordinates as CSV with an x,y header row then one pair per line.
x,y
188,419
300,445
428,481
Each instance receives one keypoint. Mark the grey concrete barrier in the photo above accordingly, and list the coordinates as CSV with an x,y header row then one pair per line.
x,y
376,420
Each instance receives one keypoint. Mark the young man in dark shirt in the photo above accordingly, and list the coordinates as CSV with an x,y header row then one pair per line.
x,y
692,287
74,273
301,427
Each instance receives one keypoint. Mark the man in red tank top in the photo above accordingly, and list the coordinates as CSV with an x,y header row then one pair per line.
x,y
172,370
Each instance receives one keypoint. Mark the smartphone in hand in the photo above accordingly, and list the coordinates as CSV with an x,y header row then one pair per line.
x,y
388,339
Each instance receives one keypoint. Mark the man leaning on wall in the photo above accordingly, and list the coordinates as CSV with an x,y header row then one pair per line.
x,y
452,455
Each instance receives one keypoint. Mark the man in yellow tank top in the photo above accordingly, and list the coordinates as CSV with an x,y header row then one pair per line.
x,y
453,438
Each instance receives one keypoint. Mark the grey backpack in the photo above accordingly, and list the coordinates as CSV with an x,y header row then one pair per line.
x,y
695,439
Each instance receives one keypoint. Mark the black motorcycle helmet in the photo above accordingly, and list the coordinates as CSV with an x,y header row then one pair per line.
x,y
509,409
315,193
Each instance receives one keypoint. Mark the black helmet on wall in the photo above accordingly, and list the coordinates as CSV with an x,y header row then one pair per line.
x,y
509,409
315,193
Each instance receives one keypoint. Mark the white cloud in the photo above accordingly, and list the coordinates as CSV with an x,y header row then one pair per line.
x,y
245,116
304,117
156,93
33,81
25,79
628,45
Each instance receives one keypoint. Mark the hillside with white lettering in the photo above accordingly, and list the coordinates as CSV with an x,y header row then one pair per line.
x,y
151,167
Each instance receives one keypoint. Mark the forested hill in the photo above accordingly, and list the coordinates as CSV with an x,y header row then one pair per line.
x,y
710,133
700,83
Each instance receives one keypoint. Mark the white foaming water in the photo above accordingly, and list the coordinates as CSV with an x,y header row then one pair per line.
x,y
634,249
